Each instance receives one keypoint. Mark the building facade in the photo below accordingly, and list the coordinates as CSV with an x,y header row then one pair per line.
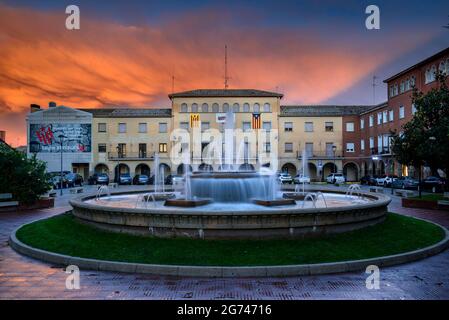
x,y
311,140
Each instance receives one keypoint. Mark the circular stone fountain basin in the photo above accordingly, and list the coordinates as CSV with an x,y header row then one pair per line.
x,y
217,220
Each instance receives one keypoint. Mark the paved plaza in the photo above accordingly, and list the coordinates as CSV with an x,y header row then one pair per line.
x,y
25,278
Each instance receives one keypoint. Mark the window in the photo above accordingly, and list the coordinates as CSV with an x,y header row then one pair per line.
x,y
121,150
205,126
349,126
288,126
102,127
266,107
246,126
225,107
401,112
371,120
350,147
379,143
266,125
379,117
184,107
309,149
362,145
362,123
430,74
391,115
308,126
371,142
442,67
215,107
236,107
184,125
122,128
102,147
142,150
413,108
402,87
391,91
162,148
246,107
267,147
205,107
288,147
396,91
407,84
256,107
386,143
412,81
329,126
194,107
385,116
162,127
142,127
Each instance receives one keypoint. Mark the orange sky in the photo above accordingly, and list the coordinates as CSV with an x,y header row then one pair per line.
x,y
106,63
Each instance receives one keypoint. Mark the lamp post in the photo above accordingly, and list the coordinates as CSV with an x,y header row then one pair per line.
x,y
61,140
334,150
117,175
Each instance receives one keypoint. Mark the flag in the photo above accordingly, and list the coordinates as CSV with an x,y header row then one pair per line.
x,y
194,120
255,123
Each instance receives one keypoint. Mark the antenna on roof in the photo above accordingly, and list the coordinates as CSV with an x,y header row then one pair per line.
x,y
173,83
226,78
374,89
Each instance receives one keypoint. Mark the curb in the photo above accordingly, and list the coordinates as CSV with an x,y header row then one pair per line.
x,y
228,272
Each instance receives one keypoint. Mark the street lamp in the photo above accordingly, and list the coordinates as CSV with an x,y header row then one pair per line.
x,y
117,174
61,140
334,150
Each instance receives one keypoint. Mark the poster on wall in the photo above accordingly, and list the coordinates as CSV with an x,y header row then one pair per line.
x,y
45,137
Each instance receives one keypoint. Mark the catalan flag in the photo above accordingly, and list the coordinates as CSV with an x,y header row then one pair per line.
x,y
194,120
256,121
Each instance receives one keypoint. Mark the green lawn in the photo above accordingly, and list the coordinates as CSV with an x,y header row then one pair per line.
x,y
430,197
63,234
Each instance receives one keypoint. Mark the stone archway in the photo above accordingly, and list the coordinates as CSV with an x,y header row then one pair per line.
x,y
205,167
312,171
289,168
101,168
246,167
328,168
181,168
351,171
124,168
143,169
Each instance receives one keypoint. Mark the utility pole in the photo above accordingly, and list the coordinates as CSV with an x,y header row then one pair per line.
x,y
374,89
173,83
226,78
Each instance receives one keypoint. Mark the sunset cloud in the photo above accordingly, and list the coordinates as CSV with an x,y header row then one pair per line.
x,y
110,64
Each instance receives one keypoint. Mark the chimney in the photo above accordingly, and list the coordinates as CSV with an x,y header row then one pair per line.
x,y
2,135
34,107
51,104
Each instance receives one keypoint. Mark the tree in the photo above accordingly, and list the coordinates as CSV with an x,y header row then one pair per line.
x,y
25,178
425,139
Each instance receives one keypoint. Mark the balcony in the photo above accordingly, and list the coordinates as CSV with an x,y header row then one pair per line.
x,y
383,151
130,156
320,155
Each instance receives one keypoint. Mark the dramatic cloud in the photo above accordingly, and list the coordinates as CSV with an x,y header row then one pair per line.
x,y
107,63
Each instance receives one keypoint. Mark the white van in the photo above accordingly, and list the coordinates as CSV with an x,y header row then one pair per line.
x,y
336,178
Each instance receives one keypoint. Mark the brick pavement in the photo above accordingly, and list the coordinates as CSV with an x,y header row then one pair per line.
x,y
25,278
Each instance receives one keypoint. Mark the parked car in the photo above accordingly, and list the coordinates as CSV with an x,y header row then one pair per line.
x,y
178,179
125,178
168,179
58,183
336,178
285,177
366,180
386,180
430,183
405,183
99,178
74,179
141,179
300,178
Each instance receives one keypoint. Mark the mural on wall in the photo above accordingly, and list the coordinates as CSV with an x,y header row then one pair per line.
x,y
45,137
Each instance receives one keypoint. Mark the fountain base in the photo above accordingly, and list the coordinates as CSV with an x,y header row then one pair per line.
x,y
186,203
295,196
275,202
159,196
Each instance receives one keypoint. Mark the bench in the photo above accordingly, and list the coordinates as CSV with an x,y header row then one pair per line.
x,y
443,204
403,193
113,185
76,190
376,189
446,195
5,200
